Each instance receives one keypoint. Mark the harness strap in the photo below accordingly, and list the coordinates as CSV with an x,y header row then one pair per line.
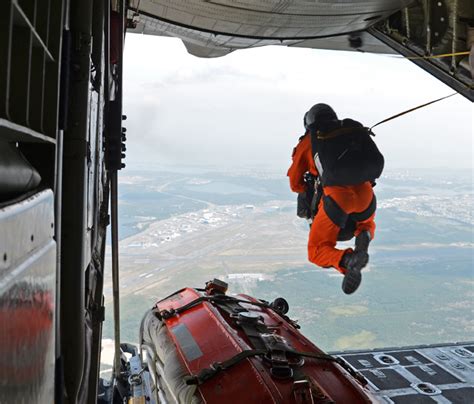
x,y
217,367
305,391
317,195
343,131
340,218
334,212
341,362
166,314
251,330
274,350
360,217
219,300
260,337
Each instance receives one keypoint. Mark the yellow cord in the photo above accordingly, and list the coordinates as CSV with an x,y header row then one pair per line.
x,y
444,55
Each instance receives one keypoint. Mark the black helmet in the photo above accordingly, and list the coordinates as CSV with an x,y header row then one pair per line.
x,y
319,113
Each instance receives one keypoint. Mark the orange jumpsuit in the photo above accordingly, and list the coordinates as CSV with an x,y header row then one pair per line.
x,y
322,241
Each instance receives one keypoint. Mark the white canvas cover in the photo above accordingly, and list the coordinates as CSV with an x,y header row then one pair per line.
x,y
163,358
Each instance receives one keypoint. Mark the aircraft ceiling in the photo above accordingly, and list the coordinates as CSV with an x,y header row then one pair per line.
x,y
214,28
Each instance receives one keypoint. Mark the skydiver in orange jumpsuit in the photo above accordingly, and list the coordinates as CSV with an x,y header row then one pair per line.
x,y
324,232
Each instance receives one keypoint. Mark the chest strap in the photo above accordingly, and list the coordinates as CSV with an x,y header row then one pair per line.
x,y
340,218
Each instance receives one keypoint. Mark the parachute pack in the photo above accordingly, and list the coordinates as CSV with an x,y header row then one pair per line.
x,y
345,154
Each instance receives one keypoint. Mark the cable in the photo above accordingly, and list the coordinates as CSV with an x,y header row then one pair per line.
x,y
411,110
440,56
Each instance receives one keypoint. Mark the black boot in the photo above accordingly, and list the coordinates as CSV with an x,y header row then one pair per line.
x,y
353,262
362,241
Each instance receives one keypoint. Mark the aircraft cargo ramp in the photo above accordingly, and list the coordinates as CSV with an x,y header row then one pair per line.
x,y
424,374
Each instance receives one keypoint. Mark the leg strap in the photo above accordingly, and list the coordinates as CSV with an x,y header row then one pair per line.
x,y
360,217
339,217
334,212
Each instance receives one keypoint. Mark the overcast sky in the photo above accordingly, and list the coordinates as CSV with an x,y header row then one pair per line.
x,y
246,109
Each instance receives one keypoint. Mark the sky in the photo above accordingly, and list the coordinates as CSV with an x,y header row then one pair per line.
x,y
246,109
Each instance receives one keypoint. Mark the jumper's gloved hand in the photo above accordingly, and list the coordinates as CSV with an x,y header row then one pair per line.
x,y
303,205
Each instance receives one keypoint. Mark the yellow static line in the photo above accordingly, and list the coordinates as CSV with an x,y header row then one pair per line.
x,y
444,55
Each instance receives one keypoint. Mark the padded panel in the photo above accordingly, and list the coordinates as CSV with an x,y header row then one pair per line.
x,y
17,175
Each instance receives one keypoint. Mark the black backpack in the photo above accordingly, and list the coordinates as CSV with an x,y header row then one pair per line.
x,y
345,154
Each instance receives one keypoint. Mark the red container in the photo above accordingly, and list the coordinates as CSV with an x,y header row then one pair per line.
x,y
211,331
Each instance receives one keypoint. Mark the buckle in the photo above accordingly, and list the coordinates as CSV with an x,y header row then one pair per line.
x,y
217,366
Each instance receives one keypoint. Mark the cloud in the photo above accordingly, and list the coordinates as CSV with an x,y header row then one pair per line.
x,y
360,340
246,108
353,310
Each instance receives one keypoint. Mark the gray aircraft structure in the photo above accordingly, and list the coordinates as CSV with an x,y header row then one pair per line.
x,y
62,142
